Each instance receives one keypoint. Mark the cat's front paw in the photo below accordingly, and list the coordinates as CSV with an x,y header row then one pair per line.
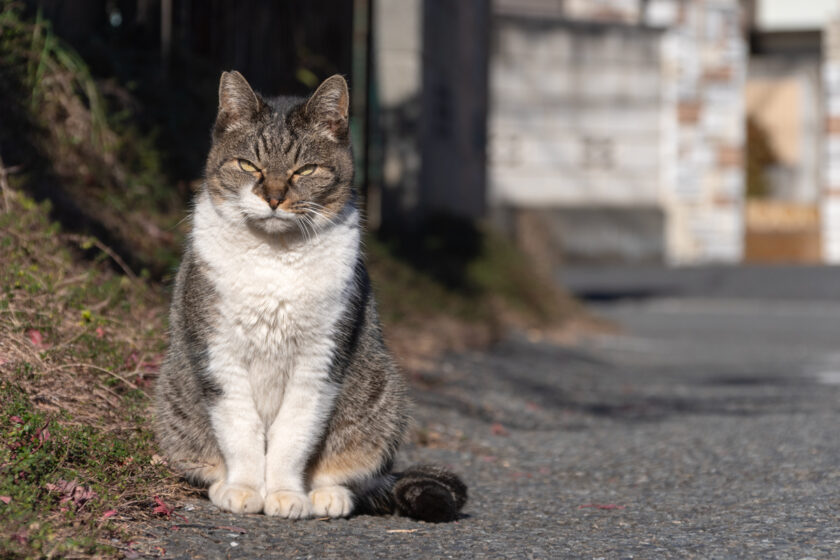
x,y
292,505
331,501
236,498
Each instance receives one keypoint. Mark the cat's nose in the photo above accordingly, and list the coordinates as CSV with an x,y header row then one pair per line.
x,y
273,192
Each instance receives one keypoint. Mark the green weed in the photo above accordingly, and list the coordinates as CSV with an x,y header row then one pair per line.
x,y
78,344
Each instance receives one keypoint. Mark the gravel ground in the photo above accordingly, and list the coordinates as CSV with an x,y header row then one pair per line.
x,y
708,429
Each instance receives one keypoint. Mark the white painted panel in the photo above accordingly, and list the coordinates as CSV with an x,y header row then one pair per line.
x,y
790,15
662,12
565,120
572,186
575,118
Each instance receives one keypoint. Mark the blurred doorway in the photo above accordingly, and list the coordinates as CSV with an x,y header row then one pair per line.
x,y
784,128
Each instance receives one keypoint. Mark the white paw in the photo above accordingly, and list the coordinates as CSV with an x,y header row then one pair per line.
x,y
331,501
293,505
236,498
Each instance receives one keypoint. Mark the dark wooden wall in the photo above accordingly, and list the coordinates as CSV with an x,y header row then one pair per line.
x,y
281,46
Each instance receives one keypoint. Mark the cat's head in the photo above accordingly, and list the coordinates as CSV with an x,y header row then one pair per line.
x,y
281,164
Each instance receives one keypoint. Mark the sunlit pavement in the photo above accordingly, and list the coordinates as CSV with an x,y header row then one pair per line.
x,y
706,428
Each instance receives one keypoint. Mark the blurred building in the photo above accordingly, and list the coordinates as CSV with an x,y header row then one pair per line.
x,y
616,128
793,213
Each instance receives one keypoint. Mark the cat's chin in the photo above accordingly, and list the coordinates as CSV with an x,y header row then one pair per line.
x,y
273,225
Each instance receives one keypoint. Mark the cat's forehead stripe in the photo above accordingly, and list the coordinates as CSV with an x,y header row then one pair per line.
x,y
288,147
258,148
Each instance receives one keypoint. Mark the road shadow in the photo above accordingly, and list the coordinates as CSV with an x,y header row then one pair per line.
x,y
537,387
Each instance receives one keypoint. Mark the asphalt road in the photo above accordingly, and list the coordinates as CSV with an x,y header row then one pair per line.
x,y
707,429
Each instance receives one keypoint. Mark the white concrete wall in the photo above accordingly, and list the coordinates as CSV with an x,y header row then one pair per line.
x,y
574,115
790,15
397,50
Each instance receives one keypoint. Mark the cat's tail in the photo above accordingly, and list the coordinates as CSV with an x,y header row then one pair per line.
x,y
423,492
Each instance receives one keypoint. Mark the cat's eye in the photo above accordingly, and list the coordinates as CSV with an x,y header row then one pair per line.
x,y
246,165
306,169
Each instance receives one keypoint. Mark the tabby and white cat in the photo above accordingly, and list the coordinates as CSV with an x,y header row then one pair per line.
x,y
277,391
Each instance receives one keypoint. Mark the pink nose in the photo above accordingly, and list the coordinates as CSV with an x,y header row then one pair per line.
x,y
274,203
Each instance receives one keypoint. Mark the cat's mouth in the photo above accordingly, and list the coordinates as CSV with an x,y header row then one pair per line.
x,y
276,217
275,223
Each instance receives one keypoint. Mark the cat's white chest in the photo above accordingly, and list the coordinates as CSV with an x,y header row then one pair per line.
x,y
277,306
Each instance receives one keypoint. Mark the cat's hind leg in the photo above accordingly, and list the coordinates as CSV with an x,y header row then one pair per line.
x,y
337,480
205,471
331,501
183,428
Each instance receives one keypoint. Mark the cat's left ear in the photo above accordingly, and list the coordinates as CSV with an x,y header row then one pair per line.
x,y
238,104
328,108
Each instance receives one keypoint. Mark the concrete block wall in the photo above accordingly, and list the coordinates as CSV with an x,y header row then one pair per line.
x,y
574,115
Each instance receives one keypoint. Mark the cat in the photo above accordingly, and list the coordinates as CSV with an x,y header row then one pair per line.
x,y
277,391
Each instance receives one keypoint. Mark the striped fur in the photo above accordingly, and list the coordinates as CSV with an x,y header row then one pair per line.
x,y
277,392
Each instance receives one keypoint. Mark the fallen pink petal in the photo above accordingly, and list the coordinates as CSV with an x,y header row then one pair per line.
x,y
5,499
107,514
162,508
36,338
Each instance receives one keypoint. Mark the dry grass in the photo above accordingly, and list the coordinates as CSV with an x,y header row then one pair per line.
x,y
79,347
81,148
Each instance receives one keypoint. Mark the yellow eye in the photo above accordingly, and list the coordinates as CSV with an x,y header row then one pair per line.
x,y
306,169
246,165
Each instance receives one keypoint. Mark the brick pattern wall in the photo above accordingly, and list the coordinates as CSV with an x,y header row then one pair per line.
x,y
705,58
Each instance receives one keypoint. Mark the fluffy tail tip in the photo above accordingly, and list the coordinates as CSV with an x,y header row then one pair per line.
x,y
430,493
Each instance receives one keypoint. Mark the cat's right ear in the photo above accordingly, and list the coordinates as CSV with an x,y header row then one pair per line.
x,y
238,104
328,108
